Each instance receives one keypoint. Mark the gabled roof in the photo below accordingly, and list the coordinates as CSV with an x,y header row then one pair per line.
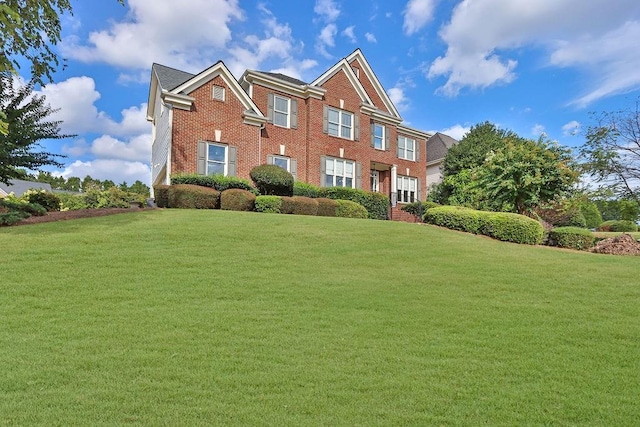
x,y
345,66
19,187
175,87
280,82
284,77
438,145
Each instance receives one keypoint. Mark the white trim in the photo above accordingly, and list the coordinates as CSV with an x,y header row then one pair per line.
x,y
407,181
287,113
285,158
251,77
382,137
344,174
418,134
340,124
225,168
344,66
406,138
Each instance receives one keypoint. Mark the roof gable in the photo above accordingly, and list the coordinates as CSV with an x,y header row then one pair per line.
x,y
343,66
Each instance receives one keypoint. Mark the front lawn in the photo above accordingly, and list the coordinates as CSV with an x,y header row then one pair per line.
x,y
208,317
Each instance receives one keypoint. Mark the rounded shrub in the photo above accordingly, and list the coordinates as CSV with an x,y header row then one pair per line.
x,y
454,218
188,196
591,213
618,225
299,205
376,204
419,208
272,180
327,207
161,194
573,218
48,200
236,199
349,209
511,227
307,190
268,204
571,238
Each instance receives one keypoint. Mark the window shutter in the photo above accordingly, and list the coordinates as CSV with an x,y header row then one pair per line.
x,y
419,190
233,153
293,165
356,127
294,114
417,148
325,119
398,147
202,158
323,170
387,138
269,159
373,135
358,175
270,108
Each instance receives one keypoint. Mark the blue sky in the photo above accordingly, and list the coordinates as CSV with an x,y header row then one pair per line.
x,y
529,66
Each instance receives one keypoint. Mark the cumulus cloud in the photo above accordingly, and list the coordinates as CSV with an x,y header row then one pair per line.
x,y
572,128
326,38
158,31
456,132
350,34
483,36
327,9
370,38
417,14
116,170
538,130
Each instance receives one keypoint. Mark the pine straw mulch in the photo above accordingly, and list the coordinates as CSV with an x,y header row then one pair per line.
x,y
76,214
619,245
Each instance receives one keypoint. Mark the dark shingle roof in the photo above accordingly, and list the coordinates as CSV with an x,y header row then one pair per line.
x,y
170,78
438,145
285,78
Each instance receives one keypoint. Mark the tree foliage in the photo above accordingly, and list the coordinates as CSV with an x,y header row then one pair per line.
x,y
611,152
26,116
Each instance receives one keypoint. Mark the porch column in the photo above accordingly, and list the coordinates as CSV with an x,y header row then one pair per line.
x,y
394,185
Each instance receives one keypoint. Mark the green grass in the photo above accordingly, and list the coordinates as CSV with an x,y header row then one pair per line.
x,y
177,317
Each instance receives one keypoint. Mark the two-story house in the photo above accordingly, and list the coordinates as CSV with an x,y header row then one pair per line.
x,y
339,130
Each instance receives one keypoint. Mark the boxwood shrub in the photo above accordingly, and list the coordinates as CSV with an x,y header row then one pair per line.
x,y
419,208
189,196
508,227
349,209
376,204
268,204
218,182
307,190
327,207
272,180
571,238
618,225
10,218
299,205
236,199
161,194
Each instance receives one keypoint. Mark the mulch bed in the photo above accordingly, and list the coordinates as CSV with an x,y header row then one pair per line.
x,y
81,213
619,245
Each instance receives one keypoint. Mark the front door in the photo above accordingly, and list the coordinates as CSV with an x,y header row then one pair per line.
x,y
375,181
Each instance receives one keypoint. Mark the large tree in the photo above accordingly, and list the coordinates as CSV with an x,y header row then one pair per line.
x,y
612,151
27,119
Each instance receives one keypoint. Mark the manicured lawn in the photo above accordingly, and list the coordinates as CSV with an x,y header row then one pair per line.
x,y
173,317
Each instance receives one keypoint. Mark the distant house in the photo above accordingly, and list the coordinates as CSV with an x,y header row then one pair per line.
x,y
18,187
341,129
437,147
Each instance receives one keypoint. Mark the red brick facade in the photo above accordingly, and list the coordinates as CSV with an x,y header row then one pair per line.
x,y
242,121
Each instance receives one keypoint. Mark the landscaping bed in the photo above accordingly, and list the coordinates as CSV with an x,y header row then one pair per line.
x,y
75,214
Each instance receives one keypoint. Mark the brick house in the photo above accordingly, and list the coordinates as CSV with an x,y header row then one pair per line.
x,y
339,130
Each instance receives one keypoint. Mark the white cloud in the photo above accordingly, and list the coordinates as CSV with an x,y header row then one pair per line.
x,y
327,9
116,170
417,14
538,130
326,38
596,37
370,38
456,131
136,149
160,31
350,34
572,128
398,97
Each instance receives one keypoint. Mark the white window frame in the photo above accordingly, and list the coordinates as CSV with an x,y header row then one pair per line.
x,y
287,162
340,179
403,152
407,189
226,158
340,123
286,113
381,138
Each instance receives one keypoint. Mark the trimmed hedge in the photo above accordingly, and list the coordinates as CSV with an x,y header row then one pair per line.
x,y
272,180
218,182
327,207
268,204
161,194
236,199
376,204
349,209
189,196
618,225
299,205
419,208
571,238
307,190
508,227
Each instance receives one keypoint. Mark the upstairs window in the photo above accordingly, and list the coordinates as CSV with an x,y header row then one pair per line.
x,y
282,111
339,123
406,148
378,136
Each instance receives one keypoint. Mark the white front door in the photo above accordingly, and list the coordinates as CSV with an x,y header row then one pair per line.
x,y
375,181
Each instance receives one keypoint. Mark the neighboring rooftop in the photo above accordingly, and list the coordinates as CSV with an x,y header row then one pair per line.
x,y
19,187
438,145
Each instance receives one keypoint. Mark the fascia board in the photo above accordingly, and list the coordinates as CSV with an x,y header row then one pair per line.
x,y
344,66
